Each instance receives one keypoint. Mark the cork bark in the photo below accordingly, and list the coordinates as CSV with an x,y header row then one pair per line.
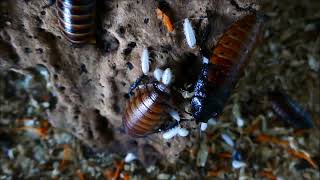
x,y
91,80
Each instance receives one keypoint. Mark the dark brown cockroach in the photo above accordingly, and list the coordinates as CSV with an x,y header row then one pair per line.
x,y
146,110
220,74
289,110
77,19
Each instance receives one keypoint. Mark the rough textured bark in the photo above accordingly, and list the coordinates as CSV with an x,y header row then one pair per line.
x,y
91,80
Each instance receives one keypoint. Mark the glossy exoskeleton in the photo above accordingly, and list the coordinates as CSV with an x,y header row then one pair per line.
x,y
77,19
289,110
146,110
220,74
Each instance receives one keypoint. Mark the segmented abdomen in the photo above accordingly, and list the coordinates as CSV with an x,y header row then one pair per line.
x,y
230,56
77,20
289,110
233,50
145,111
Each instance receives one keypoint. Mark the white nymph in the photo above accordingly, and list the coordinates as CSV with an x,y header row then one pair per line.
x,y
145,61
189,33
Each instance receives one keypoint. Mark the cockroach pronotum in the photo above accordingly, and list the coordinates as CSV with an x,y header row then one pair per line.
x,y
220,74
77,19
289,110
148,109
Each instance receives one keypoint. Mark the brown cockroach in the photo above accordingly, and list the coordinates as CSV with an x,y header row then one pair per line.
x,y
77,19
145,112
289,110
220,74
148,109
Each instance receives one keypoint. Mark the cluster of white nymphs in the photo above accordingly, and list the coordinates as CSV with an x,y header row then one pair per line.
x,y
178,130
165,77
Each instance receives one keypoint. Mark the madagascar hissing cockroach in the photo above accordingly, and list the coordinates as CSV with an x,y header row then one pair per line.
x,y
77,19
289,110
220,74
151,104
147,110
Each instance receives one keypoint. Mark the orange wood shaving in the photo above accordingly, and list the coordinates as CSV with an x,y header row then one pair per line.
x,y
165,20
81,175
304,156
22,120
42,132
67,156
118,169
268,174
225,155
126,176
108,174
300,132
252,128
263,138
44,123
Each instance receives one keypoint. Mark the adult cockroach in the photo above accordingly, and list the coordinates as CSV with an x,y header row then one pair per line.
x,y
289,110
77,19
148,109
220,74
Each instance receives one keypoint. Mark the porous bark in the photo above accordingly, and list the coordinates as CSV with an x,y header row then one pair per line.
x,y
91,81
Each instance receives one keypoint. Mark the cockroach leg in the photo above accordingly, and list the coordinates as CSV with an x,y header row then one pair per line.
x,y
136,84
168,126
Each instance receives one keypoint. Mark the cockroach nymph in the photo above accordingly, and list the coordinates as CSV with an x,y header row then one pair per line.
x,y
189,33
220,74
148,109
77,19
289,110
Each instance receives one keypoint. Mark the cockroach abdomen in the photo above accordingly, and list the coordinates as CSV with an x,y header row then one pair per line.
x,y
145,111
289,110
226,65
77,20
